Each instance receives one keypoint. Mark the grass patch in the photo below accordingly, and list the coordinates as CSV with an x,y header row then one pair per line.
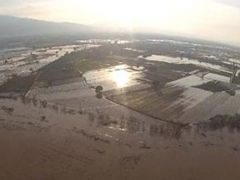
x,y
84,65
152,103
213,86
73,65
18,84
220,122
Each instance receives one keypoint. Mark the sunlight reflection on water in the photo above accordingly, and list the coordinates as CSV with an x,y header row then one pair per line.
x,y
121,77
116,77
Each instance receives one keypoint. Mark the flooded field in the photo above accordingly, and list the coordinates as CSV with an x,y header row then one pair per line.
x,y
156,90
120,76
89,111
26,61
87,143
179,60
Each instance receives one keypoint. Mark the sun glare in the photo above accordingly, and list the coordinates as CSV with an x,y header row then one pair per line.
x,y
120,77
130,13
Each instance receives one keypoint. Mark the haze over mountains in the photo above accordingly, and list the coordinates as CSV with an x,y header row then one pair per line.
x,y
16,31
16,27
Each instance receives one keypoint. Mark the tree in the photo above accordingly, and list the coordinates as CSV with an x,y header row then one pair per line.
x,y
99,89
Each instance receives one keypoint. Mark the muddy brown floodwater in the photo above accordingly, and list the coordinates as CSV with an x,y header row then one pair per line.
x,y
53,141
147,122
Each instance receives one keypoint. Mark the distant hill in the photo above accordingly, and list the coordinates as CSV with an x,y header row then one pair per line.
x,y
20,32
16,27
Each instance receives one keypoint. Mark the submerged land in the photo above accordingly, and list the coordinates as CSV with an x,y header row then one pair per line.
x,y
120,109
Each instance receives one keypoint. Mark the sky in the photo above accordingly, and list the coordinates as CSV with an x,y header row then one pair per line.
x,y
217,20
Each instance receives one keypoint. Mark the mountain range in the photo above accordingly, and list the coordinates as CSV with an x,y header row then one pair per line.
x,y
16,27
